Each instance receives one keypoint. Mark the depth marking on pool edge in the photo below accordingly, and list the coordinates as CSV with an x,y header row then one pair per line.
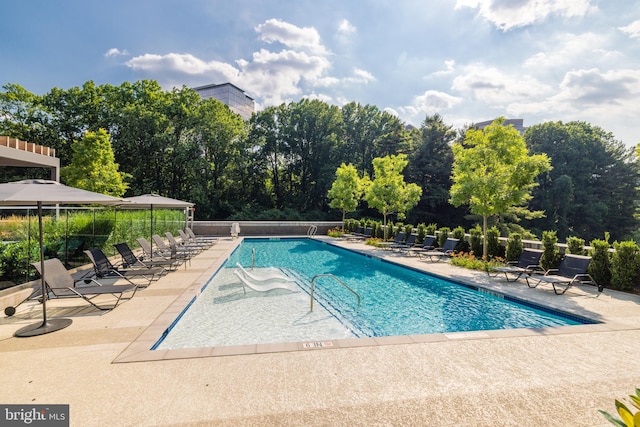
x,y
317,344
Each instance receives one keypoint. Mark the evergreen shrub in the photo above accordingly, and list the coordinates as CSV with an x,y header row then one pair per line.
x,y
493,243
443,235
514,247
625,264
475,240
551,255
600,265
575,245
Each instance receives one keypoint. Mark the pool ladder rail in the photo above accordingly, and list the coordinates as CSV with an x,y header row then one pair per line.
x,y
334,278
313,229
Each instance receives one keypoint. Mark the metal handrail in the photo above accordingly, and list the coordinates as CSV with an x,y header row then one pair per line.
x,y
253,257
337,280
313,229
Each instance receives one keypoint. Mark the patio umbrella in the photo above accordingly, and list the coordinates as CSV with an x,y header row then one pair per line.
x,y
154,200
44,192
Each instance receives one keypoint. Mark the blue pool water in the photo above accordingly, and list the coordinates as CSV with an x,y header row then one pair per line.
x,y
394,301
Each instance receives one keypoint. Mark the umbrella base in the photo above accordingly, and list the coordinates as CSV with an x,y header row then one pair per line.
x,y
51,325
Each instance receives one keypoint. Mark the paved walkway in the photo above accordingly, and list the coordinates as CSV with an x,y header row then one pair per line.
x,y
545,377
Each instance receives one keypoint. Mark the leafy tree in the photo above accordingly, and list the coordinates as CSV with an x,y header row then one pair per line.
x,y
592,184
388,192
93,166
429,166
493,171
346,190
360,124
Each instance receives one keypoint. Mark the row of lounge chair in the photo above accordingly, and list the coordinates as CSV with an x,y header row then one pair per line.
x,y
136,271
573,269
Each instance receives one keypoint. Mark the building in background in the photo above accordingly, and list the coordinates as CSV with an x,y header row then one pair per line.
x,y
231,95
518,124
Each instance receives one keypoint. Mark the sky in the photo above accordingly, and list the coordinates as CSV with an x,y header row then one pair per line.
x,y
467,60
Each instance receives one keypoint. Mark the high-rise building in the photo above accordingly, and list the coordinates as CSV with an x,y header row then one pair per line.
x,y
231,95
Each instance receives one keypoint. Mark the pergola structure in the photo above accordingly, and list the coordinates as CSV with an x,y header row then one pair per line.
x,y
14,152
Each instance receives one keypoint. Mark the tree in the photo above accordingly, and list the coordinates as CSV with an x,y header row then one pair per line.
x,y
346,190
430,167
388,192
493,171
592,185
93,166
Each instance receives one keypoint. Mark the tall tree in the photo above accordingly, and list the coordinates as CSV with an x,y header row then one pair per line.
x,y
388,192
430,167
218,134
361,129
312,134
593,170
346,190
493,172
93,166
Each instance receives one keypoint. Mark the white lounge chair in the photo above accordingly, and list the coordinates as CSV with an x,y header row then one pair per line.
x,y
265,276
265,286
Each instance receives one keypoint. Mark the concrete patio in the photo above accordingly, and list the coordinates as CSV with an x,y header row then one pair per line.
x,y
102,368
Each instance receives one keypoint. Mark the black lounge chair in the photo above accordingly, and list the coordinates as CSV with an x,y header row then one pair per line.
x,y
406,245
357,233
389,245
437,255
130,260
364,236
428,244
528,263
572,270
60,284
104,269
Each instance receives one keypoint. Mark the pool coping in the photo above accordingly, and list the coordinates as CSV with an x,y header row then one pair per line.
x,y
140,350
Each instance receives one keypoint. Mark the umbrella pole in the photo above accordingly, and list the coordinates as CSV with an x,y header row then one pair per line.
x,y
47,325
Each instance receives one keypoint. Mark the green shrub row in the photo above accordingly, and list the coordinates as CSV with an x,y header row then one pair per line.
x,y
618,269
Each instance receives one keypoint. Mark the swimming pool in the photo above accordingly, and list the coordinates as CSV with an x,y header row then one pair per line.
x,y
394,301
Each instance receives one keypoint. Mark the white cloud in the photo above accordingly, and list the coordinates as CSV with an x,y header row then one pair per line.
x,y
449,69
272,76
345,32
346,27
306,38
509,14
593,88
608,98
182,63
565,49
430,102
115,52
632,29
496,87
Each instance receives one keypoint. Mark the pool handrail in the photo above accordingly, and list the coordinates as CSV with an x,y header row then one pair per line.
x,y
334,278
